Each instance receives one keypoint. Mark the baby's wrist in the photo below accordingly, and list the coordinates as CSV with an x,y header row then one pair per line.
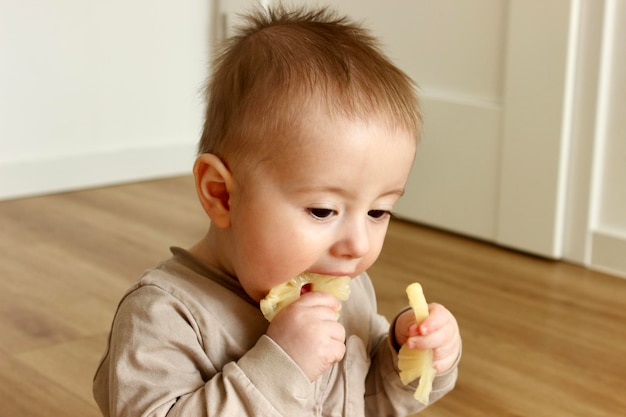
x,y
393,340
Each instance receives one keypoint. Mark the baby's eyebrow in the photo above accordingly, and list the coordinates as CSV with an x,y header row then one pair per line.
x,y
331,189
345,192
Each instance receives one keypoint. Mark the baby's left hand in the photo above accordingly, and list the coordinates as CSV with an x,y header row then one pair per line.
x,y
439,332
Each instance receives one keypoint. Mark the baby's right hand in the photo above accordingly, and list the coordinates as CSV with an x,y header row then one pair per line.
x,y
308,331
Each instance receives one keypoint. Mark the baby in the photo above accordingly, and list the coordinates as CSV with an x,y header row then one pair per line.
x,y
309,138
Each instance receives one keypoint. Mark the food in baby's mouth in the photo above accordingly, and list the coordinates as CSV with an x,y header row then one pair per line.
x,y
284,294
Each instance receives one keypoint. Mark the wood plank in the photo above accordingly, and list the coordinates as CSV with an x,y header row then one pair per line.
x,y
540,338
25,392
69,365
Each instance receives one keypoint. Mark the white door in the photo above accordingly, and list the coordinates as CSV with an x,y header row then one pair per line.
x,y
494,82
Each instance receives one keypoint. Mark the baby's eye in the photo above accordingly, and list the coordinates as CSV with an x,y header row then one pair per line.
x,y
321,213
378,214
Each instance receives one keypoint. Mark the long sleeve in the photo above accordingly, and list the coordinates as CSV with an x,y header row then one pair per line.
x,y
157,365
384,392
187,341
387,394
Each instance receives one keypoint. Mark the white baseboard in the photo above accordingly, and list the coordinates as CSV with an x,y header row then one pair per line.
x,y
609,253
68,173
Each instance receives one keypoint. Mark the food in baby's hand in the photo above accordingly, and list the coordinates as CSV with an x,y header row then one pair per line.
x,y
415,363
284,294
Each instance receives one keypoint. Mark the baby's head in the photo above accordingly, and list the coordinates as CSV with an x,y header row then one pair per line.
x,y
283,67
309,139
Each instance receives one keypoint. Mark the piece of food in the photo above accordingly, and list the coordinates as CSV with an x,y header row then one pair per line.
x,y
415,363
284,294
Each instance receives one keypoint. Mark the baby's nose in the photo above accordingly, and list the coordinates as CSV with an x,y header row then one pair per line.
x,y
354,241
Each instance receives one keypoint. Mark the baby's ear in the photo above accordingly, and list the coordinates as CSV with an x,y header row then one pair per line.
x,y
214,183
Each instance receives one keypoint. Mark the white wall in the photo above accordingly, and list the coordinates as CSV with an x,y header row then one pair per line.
x,y
593,216
98,92
95,93
596,204
612,124
608,200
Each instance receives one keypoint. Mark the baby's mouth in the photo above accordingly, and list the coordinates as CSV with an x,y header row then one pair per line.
x,y
286,293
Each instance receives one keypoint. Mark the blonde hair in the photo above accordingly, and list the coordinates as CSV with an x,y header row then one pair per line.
x,y
281,64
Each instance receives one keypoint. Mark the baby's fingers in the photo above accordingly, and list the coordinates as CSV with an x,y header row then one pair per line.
x,y
438,317
431,341
438,330
445,344
319,299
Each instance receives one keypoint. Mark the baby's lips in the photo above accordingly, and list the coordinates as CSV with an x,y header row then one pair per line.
x,y
286,293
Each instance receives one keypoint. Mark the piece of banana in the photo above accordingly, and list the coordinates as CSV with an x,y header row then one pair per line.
x,y
284,294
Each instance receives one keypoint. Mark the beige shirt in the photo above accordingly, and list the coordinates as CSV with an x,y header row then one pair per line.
x,y
187,341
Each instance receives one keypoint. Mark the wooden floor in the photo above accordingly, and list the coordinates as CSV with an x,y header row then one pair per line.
x,y
541,338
